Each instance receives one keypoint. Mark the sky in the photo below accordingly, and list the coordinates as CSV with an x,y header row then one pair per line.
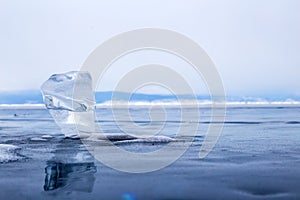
x,y
254,44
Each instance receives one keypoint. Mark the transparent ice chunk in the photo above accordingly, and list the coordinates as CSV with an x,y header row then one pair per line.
x,y
70,99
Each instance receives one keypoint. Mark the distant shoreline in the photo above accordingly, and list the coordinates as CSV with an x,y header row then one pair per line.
x,y
176,104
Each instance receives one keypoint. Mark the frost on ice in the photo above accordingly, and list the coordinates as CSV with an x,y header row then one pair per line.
x,y
69,97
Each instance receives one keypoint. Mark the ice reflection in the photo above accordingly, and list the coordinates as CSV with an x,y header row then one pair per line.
x,y
71,176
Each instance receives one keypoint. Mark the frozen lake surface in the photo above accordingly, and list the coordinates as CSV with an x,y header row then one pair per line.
x,y
256,157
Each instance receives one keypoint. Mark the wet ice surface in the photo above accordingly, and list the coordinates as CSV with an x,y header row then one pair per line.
x,y
257,157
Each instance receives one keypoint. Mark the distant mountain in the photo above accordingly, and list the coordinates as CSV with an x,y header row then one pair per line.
x,y
21,97
121,96
35,97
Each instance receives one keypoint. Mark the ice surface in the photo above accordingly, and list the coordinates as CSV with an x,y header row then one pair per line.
x,y
70,98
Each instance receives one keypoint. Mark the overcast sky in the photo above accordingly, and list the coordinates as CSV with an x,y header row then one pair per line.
x,y
255,44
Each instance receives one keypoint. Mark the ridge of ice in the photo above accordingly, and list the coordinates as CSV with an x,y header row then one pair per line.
x,y
70,99
8,153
